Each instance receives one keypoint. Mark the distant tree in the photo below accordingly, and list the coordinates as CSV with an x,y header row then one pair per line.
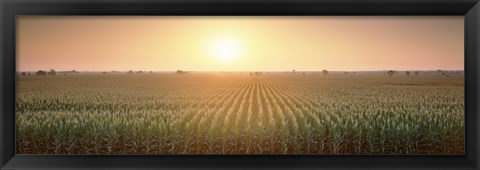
x,y
390,72
293,71
416,73
68,72
325,72
180,72
130,72
151,72
41,73
408,73
29,73
23,73
258,73
52,72
139,72
104,72
441,72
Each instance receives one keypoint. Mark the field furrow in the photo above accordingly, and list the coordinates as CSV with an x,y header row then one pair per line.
x,y
240,114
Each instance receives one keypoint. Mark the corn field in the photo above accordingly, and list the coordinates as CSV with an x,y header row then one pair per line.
x,y
239,114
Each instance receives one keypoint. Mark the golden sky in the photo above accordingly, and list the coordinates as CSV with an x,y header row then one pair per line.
x,y
245,43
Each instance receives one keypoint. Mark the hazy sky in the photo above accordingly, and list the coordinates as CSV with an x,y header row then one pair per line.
x,y
165,43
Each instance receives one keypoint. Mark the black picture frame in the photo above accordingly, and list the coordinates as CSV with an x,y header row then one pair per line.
x,y
9,9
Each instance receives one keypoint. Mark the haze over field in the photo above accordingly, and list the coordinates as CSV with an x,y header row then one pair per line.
x,y
343,43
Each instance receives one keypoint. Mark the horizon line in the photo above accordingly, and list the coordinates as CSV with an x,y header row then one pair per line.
x,y
243,70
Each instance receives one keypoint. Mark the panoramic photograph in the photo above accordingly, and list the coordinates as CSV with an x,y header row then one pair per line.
x,y
240,85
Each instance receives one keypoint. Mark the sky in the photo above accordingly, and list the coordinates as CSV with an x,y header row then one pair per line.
x,y
240,43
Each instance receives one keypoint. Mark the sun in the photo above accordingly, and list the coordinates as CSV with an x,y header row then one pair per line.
x,y
226,49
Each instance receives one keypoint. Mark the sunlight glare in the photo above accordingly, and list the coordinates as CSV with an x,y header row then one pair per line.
x,y
226,49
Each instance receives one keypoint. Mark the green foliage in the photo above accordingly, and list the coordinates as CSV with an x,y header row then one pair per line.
x,y
239,114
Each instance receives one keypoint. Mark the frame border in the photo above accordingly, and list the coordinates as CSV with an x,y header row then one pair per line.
x,y
9,9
